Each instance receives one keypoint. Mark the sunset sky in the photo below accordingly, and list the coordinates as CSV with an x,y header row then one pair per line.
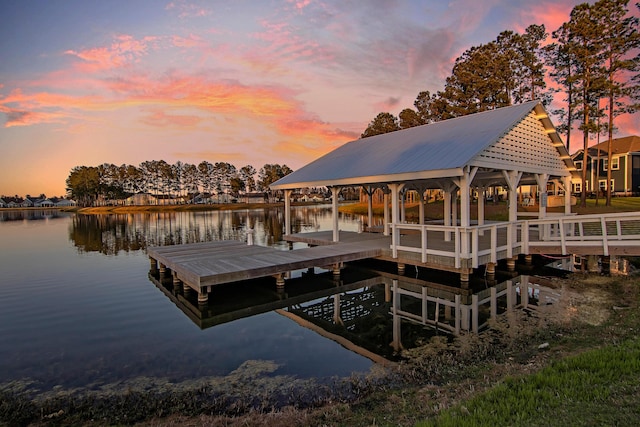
x,y
245,82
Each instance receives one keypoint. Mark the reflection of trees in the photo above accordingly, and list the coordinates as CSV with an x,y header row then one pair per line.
x,y
112,233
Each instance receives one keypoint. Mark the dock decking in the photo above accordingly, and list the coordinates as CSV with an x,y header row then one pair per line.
x,y
202,265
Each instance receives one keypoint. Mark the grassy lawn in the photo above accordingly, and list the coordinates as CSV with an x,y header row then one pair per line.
x,y
499,211
598,387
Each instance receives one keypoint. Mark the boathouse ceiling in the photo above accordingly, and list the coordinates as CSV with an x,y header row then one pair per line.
x,y
518,138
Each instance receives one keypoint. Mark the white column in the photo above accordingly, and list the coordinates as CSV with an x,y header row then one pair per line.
x,y
454,207
447,213
423,200
395,213
447,207
334,212
369,191
513,180
386,212
542,179
402,207
465,211
481,197
287,212
567,194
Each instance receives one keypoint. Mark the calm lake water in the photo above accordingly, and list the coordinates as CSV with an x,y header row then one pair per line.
x,y
79,310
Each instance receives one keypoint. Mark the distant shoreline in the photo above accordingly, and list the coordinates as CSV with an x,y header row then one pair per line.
x,y
161,208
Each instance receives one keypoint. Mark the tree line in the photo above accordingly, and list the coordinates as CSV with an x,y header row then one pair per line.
x,y
593,58
88,184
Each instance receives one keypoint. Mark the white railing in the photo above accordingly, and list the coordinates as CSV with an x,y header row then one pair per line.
x,y
457,243
600,231
487,241
470,316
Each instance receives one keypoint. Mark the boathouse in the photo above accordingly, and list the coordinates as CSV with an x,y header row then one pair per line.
x,y
465,156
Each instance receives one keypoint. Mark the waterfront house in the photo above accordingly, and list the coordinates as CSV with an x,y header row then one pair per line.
x,y
62,202
43,203
253,197
139,199
625,167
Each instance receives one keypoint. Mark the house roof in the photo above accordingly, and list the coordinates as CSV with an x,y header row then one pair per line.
x,y
623,145
440,149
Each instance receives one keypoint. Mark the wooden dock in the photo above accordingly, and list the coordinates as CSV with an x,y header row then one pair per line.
x,y
200,266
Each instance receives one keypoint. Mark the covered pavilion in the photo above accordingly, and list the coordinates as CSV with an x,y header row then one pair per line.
x,y
508,147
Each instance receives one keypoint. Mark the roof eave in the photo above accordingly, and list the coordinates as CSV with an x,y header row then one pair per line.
x,y
374,179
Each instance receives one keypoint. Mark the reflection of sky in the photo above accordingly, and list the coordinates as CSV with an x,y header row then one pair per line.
x,y
74,318
91,82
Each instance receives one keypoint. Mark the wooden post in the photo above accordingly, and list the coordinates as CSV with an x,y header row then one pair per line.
x,y
279,281
491,269
511,263
401,268
203,297
336,270
510,296
186,289
153,265
163,269
464,279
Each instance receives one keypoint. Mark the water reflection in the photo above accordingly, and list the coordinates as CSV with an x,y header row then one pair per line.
x,y
373,315
111,234
31,215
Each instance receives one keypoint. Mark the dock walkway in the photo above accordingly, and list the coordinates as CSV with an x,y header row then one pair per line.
x,y
202,265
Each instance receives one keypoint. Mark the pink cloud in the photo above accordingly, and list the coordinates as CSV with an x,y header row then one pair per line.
x,y
551,14
123,51
300,4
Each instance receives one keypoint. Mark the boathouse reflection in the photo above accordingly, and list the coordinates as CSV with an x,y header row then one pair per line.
x,y
373,315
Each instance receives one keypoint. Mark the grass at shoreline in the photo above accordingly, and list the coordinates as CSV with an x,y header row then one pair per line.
x,y
596,387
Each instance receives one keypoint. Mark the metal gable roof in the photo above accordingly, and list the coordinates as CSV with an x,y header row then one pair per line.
x,y
445,145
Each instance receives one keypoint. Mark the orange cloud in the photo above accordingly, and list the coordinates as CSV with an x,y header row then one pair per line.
x,y
162,119
27,118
